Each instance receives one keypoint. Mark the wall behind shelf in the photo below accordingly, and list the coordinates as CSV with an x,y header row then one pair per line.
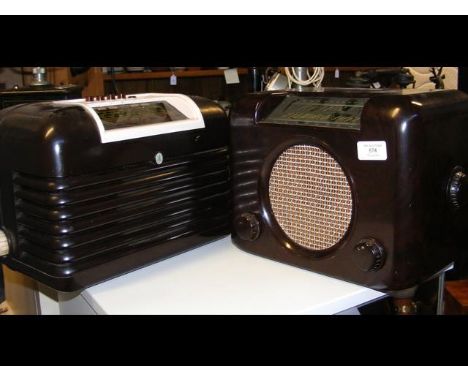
x,y
10,77
209,87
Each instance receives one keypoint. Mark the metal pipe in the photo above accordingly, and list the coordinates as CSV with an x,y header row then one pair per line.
x,y
39,76
301,73
440,297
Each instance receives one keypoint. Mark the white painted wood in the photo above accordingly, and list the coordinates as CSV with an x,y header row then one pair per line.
x,y
220,279
48,300
74,304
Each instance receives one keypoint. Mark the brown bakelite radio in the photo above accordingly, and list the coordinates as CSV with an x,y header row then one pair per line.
x,y
366,186
93,189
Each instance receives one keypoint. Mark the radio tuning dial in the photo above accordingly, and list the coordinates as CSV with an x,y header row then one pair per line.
x,y
458,190
4,246
247,226
369,255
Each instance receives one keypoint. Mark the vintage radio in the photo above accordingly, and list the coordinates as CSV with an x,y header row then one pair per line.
x,y
365,186
94,189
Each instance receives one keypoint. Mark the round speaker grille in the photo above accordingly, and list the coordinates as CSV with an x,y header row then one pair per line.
x,y
311,197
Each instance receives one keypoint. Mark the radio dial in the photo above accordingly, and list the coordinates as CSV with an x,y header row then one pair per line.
x,y
4,246
369,255
458,189
247,227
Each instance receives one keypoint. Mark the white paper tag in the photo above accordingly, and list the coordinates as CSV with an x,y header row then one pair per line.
x,y
173,80
372,150
337,73
231,76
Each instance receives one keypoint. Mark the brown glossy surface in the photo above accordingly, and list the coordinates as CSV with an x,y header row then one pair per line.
x,y
401,202
78,211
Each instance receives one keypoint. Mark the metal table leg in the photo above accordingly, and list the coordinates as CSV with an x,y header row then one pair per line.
x,y
440,295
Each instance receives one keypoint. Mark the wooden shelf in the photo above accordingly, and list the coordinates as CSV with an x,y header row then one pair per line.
x,y
167,74
351,68
202,73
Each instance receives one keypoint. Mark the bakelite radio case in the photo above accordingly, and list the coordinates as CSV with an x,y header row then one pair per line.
x,y
406,206
81,203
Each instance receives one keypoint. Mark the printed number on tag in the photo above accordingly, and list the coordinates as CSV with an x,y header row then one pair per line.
x,y
376,150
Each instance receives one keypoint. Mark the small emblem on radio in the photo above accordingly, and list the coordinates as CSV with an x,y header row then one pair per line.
x,y
158,158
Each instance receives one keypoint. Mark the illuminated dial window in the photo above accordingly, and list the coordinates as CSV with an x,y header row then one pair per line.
x,y
130,115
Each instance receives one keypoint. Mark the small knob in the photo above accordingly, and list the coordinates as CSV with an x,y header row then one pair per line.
x,y
4,246
369,255
247,226
457,190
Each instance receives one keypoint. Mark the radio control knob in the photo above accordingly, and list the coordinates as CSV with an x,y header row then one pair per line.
x,y
4,246
369,255
247,226
458,190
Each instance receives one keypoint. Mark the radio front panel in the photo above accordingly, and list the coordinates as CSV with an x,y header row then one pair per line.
x,y
366,201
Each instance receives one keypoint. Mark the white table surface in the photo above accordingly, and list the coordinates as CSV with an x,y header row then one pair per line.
x,y
220,279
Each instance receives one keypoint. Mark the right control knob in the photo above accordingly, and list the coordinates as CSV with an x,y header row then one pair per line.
x,y
369,255
458,190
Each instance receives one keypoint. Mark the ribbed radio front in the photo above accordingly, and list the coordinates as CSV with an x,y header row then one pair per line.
x,y
76,222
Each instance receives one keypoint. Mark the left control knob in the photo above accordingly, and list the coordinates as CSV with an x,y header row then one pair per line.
x,y
247,226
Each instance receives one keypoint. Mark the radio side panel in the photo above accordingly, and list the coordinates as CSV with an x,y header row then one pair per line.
x,y
430,149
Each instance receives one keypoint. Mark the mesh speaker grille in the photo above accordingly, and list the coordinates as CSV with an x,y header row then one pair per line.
x,y
310,197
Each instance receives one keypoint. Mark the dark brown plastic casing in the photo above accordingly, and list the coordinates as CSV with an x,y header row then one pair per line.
x,y
78,211
401,202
